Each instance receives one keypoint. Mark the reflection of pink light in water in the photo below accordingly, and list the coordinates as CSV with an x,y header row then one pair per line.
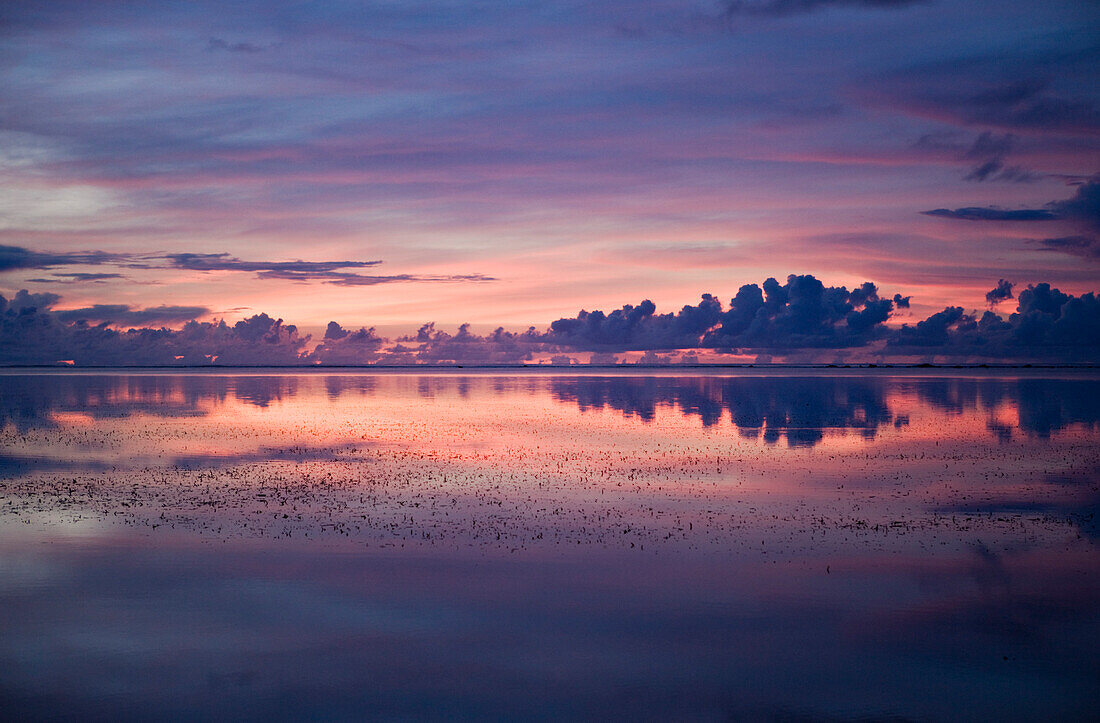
x,y
73,419
458,460
367,527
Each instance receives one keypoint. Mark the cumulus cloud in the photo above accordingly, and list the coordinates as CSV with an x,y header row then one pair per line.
x,y
803,313
342,347
433,346
1047,323
1001,292
26,302
802,317
32,333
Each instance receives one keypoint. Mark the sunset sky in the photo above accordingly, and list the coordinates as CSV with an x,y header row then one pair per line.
x,y
513,162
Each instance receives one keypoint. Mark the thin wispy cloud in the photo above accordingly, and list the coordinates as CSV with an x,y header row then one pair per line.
x,y
465,143
330,272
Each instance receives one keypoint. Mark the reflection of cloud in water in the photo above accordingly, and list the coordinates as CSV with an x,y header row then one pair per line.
x,y
261,391
799,409
29,401
267,454
362,384
495,546
1070,496
1044,405
13,466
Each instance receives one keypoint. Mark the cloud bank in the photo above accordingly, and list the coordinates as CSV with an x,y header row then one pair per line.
x,y
801,317
32,333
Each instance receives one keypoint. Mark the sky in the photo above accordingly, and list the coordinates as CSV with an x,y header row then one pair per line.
x,y
510,163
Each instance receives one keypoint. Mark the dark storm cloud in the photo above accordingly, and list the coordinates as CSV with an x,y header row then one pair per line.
x,y
1001,292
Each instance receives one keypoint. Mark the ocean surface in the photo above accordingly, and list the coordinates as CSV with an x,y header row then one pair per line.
x,y
506,544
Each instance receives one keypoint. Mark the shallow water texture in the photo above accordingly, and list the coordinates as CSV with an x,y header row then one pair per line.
x,y
521,544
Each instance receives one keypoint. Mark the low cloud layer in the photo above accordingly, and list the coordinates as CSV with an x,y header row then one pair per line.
x,y
801,317
32,333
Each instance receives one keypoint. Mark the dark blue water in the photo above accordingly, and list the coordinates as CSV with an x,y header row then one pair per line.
x,y
504,545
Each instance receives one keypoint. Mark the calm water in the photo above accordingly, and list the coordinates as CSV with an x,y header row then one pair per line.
x,y
522,544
